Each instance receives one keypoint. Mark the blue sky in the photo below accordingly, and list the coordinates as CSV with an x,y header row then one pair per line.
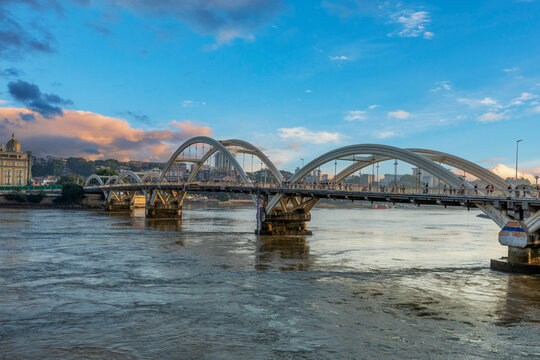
x,y
135,78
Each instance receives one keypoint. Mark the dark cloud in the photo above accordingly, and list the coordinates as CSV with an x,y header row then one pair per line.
x,y
99,28
59,145
19,37
138,116
31,96
210,16
27,117
11,73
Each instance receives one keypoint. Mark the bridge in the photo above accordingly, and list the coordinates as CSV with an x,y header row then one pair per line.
x,y
283,207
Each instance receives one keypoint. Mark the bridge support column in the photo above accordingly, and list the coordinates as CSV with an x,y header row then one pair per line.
x,y
165,205
286,224
523,249
124,205
164,211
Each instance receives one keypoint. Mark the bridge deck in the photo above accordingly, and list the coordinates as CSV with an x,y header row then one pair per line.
x,y
468,199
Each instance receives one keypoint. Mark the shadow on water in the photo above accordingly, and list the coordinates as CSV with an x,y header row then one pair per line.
x,y
282,253
522,301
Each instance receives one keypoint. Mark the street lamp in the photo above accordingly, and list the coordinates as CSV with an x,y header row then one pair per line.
x,y
377,174
302,161
395,175
517,153
536,177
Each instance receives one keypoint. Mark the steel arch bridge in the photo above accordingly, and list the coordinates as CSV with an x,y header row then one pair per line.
x,y
283,207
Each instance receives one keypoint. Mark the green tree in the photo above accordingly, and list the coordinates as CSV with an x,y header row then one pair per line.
x,y
107,172
81,166
72,193
70,179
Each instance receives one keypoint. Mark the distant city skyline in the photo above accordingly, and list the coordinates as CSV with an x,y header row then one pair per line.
x,y
133,80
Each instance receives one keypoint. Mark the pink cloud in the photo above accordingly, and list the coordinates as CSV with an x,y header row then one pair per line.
x,y
94,136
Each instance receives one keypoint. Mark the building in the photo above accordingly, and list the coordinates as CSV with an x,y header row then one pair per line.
x,y
14,164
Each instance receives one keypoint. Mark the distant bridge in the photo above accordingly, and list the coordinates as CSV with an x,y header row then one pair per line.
x,y
283,207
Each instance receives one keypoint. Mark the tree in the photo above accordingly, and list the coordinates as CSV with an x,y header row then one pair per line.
x,y
70,179
107,172
81,166
72,193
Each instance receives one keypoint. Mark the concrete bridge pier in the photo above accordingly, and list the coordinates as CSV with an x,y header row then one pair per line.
x,y
286,224
165,205
123,205
523,249
164,211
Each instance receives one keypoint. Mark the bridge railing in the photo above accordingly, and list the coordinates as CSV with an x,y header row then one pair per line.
x,y
418,190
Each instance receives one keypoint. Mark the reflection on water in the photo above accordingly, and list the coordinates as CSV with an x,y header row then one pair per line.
x,y
282,252
368,284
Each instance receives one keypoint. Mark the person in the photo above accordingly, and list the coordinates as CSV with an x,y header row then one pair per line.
x,y
487,190
475,189
444,189
462,189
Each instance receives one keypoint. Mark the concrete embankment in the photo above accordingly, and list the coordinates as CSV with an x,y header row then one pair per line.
x,y
90,201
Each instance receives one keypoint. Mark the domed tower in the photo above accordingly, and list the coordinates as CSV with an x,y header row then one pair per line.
x,y
13,145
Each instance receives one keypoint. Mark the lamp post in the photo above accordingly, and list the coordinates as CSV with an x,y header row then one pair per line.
x,y
536,177
377,175
395,175
517,153
302,161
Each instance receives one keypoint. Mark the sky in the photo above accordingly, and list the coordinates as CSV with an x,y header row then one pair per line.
x,y
133,79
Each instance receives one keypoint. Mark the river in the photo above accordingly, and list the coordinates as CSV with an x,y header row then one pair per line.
x,y
368,284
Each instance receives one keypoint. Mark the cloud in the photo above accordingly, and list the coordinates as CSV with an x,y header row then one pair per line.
x,y
19,38
31,96
138,116
509,172
191,103
492,116
413,23
399,114
10,73
99,27
308,91
487,101
384,134
371,107
536,109
442,85
225,19
302,134
82,133
511,69
338,58
355,115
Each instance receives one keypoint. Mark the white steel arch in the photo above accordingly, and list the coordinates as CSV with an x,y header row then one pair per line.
x,y
436,156
214,143
93,177
246,148
390,152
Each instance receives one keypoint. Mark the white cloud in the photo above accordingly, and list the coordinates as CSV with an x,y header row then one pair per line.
x,y
536,109
399,114
442,85
384,134
227,36
371,107
413,22
355,115
3,102
511,69
492,117
527,96
308,91
428,35
487,101
335,58
191,103
509,172
304,135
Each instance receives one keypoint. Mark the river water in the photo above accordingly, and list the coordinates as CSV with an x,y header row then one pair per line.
x,y
369,284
